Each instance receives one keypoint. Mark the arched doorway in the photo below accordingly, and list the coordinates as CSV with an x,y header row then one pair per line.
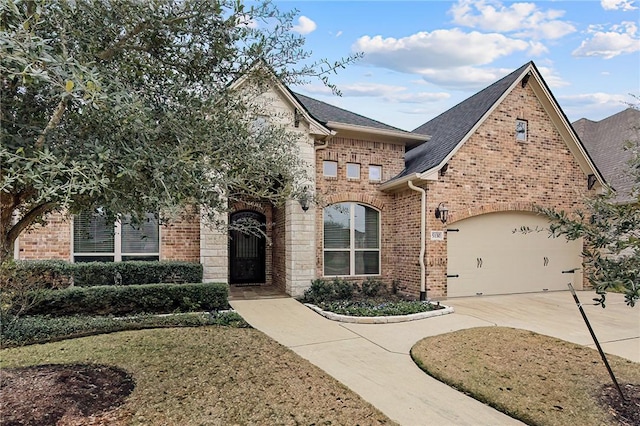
x,y
247,249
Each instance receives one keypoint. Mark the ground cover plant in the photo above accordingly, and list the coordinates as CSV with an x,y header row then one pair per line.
x,y
371,298
208,375
27,330
535,378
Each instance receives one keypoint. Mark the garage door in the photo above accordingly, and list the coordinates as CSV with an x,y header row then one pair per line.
x,y
486,256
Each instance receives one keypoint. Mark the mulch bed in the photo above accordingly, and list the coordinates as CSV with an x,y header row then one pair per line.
x,y
627,412
63,394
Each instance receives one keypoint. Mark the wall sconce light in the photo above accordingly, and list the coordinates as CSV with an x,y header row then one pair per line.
x,y
442,213
305,199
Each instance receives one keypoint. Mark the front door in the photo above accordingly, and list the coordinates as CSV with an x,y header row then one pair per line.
x,y
247,248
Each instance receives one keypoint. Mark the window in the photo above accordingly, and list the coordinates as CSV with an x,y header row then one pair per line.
x,y
330,168
521,130
353,171
351,240
375,173
97,240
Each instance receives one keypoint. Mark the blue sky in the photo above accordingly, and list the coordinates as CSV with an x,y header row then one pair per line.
x,y
423,57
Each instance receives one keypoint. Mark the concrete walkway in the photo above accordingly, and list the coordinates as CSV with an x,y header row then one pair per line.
x,y
373,359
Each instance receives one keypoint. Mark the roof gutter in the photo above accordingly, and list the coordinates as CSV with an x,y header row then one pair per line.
x,y
423,238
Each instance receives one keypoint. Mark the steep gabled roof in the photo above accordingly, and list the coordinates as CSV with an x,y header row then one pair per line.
x,y
452,126
451,129
326,113
604,140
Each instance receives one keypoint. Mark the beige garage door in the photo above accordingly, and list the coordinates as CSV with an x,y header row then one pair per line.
x,y
486,257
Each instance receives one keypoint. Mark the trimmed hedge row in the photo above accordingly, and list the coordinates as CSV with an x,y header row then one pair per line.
x,y
57,273
132,299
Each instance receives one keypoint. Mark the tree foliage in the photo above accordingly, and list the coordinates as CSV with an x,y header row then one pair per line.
x,y
611,235
127,106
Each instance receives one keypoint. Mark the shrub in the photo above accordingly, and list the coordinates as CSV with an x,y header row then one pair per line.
x,y
371,287
59,274
22,285
41,329
132,299
323,290
135,272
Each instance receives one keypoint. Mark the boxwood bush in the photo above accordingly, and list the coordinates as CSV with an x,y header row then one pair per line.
x,y
57,273
132,299
135,272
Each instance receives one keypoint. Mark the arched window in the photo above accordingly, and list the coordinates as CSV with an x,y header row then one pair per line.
x,y
351,240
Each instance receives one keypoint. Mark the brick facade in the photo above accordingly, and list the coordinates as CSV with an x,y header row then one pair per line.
x,y
179,240
491,172
50,242
338,189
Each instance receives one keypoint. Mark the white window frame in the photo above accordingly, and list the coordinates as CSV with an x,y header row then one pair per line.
x,y
379,168
522,137
324,169
352,238
347,171
117,245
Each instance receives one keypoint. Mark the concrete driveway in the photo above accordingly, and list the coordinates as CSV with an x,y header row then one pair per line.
x,y
374,361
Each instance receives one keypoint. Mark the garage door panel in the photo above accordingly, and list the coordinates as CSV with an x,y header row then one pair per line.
x,y
488,257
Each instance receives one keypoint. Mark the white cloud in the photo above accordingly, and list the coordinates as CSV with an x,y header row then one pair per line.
x,y
304,26
619,40
338,34
552,78
618,5
594,106
386,92
522,19
425,52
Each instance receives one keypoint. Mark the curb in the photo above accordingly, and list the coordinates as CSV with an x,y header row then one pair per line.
x,y
382,319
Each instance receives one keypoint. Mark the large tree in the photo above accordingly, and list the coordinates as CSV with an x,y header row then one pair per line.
x,y
126,106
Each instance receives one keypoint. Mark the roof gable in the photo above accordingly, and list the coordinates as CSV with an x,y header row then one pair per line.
x,y
451,129
453,126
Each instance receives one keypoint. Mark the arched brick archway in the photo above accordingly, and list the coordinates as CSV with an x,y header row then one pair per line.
x,y
462,214
355,197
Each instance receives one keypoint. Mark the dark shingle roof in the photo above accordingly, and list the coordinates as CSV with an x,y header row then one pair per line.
x,y
325,113
450,127
604,140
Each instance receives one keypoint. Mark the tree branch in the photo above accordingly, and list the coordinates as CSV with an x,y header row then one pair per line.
x,y
28,219
53,122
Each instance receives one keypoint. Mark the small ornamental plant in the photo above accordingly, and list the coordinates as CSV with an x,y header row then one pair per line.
x,y
371,298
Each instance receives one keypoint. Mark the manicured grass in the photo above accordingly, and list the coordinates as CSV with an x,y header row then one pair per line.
x,y
209,375
538,379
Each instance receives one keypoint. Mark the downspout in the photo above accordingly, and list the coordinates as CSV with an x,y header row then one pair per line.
x,y
423,238
323,146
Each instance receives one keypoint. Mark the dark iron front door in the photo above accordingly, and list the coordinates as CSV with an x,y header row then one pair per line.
x,y
247,248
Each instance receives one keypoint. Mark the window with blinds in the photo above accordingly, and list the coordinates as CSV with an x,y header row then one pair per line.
x,y
97,240
351,240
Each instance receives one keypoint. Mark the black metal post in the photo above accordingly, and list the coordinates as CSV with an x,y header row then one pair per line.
x,y
595,339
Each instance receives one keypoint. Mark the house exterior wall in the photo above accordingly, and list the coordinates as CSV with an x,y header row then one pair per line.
x,y
49,242
492,172
279,242
364,151
179,240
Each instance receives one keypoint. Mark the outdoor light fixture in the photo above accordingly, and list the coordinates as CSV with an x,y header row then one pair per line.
x,y
442,213
304,199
